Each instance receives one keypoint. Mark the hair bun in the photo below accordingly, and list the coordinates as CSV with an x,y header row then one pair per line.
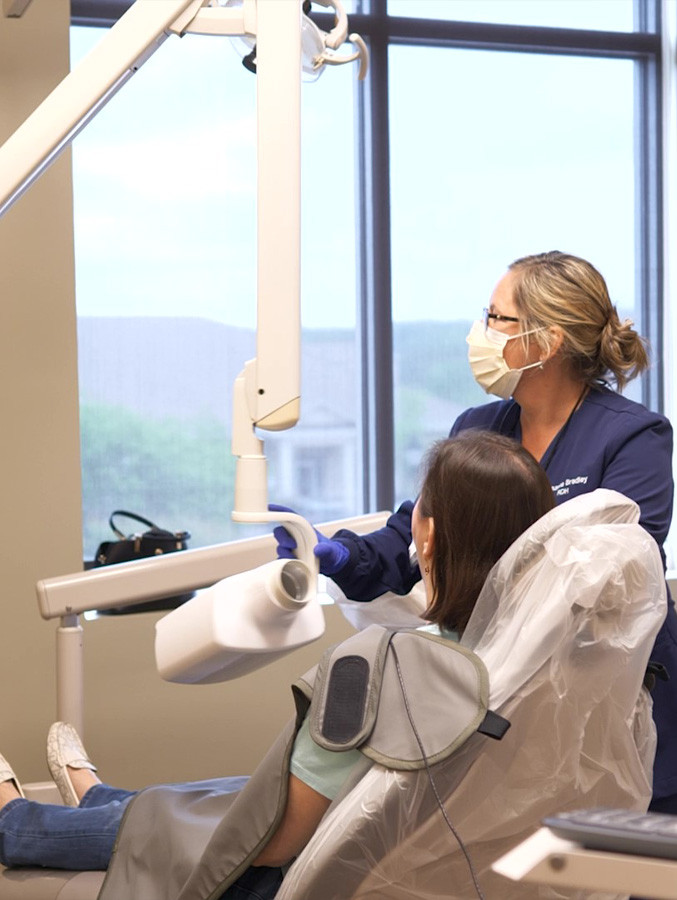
x,y
622,350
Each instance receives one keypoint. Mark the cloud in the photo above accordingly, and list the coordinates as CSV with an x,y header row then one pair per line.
x,y
217,160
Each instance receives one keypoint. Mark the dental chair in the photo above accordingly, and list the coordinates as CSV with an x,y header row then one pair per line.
x,y
565,625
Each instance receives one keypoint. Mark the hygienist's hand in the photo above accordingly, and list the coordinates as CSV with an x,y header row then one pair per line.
x,y
331,554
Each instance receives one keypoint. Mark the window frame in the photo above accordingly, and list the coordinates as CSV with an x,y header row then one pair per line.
x,y
644,46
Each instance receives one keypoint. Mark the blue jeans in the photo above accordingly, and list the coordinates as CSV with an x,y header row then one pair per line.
x,y
63,837
82,838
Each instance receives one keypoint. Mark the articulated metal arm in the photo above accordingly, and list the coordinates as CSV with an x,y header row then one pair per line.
x,y
267,393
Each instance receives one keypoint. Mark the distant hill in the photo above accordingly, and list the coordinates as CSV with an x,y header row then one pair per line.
x,y
161,367
156,417
183,368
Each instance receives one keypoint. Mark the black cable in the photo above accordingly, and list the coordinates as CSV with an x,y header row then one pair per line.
x,y
464,849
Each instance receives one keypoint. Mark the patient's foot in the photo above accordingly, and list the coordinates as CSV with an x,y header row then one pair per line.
x,y
10,789
71,768
82,780
8,792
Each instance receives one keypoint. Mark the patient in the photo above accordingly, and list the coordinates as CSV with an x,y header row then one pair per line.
x,y
480,492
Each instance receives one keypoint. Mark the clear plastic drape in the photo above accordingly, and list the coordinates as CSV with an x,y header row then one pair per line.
x,y
565,625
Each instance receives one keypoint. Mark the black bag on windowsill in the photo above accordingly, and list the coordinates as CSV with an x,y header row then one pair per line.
x,y
154,542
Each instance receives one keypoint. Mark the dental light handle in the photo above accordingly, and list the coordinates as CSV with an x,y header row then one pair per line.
x,y
339,32
300,529
331,58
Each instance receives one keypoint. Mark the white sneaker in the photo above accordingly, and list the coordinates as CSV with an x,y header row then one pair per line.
x,y
64,748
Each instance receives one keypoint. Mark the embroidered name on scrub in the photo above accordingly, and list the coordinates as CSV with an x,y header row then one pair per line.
x,y
563,488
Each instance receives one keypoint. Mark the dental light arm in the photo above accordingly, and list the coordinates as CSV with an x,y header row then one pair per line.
x,y
267,392
121,52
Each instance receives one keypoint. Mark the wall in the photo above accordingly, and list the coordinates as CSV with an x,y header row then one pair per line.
x,y
138,728
39,444
144,730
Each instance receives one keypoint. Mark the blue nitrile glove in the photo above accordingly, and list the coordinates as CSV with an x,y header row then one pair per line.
x,y
331,554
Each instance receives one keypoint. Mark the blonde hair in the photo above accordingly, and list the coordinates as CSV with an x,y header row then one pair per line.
x,y
556,289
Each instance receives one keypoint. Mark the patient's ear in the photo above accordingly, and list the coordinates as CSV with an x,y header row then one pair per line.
x,y
429,541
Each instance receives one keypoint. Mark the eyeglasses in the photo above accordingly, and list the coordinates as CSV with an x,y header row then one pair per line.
x,y
486,315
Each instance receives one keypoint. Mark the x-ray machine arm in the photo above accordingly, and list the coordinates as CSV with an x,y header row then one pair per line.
x,y
267,392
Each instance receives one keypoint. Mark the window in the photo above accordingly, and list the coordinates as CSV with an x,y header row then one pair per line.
x,y
486,130
165,211
535,152
590,14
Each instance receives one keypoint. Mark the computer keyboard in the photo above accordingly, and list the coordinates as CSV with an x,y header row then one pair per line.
x,y
618,831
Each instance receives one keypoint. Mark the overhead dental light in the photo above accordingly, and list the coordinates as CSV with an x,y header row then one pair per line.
x,y
318,47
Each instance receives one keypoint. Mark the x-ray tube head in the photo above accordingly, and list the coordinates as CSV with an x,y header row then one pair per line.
x,y
240,624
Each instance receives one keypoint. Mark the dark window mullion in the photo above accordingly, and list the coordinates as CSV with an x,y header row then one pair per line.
x,y
649,209
378,436
519,37
495,36
98,13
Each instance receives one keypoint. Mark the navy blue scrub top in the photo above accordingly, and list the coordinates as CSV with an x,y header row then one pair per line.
x,y
610,442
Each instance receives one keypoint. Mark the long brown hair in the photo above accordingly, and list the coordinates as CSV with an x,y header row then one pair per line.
x,y
482,491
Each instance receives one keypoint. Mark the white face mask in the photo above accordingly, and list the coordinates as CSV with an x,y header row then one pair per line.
x,y
485,355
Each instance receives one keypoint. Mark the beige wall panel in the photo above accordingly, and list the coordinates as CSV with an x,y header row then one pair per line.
x,y
39,442
141,730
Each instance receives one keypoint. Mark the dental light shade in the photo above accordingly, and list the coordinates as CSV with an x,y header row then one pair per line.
x,y
312,46
317,46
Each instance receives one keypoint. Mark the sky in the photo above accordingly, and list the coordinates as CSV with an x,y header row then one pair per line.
x,y
492,155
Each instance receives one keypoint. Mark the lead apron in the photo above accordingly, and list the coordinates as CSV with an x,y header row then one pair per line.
x,y
191,842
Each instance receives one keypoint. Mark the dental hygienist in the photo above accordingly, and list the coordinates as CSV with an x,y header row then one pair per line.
x,y
548,345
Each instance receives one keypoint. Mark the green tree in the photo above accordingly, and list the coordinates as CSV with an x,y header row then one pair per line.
x,y
178,473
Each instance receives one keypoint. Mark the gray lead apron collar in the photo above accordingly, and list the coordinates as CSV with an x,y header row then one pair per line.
x,y
403,697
